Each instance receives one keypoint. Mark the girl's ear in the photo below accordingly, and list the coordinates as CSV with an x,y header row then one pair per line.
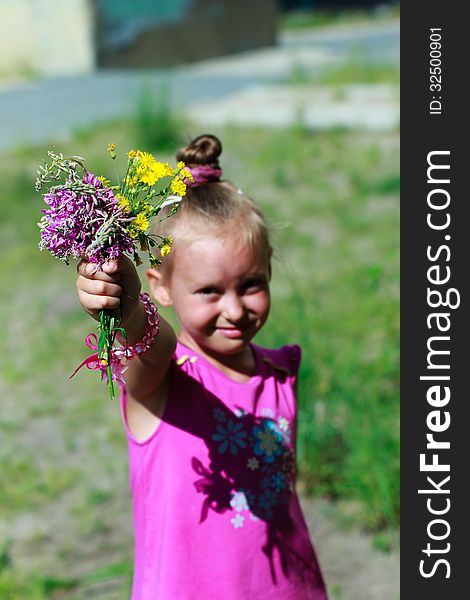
x,y
159,290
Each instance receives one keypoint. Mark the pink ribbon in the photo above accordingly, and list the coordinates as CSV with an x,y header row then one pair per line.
x,y
94,363
203,174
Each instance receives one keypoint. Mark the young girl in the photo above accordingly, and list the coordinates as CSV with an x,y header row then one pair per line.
x,y
210,417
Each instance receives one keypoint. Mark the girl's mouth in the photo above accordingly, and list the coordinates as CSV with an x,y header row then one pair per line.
x,y
231,332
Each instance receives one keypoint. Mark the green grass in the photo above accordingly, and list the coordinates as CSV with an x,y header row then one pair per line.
x,y
157,126
332,201
18,586
356,70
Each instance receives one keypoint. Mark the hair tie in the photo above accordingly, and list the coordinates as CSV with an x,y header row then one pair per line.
x,y
203,174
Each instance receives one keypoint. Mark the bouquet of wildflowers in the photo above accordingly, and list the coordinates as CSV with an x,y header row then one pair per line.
x,y
87,218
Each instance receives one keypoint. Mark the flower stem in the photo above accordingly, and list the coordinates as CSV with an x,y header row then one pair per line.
x,y
105,344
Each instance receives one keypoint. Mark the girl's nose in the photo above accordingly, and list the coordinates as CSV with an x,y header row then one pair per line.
x,y
233,309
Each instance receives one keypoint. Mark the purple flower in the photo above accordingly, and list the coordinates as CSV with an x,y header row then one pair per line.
x,y
85,223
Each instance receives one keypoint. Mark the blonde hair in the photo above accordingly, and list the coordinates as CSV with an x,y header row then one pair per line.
x,y
216,208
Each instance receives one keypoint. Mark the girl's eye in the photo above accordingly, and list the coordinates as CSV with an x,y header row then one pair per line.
x,y
207,291
253,285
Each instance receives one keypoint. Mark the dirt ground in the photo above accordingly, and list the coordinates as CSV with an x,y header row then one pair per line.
x,y
352,567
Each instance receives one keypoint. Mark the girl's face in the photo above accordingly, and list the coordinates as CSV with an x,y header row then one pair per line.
x,y
220,293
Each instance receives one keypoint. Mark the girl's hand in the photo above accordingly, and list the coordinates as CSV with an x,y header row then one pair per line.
x,y
116,286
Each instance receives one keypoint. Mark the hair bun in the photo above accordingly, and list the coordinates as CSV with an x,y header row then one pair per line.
x,y
202,150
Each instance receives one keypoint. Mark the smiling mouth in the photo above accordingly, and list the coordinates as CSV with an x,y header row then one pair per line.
x,y
232,332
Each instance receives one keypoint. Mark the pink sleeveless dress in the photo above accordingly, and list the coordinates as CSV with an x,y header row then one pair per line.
x,y
216,515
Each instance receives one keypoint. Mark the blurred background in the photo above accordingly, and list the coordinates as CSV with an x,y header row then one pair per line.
x,y
305,98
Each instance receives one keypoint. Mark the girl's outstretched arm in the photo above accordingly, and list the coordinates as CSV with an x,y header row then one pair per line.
x,y
117,286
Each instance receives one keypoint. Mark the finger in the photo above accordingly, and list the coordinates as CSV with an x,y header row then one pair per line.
x,y
98,287
111,267
128,276
93,303
92,271
86,268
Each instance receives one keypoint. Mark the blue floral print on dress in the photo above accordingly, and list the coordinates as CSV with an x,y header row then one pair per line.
x,y
278,481
265,482
268,441
267,458
266,503
232,437
219,415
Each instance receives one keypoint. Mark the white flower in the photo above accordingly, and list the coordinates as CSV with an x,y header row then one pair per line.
x,y
237,521
253,463
238,501
283,424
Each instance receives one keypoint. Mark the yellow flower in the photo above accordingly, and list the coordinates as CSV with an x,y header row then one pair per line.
x,y
124,203
183,171
131,180
132,154
139,225
112,150
147,176
166,248
145,207
186,174
150,172
146,160
166,169
178,187
103,180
